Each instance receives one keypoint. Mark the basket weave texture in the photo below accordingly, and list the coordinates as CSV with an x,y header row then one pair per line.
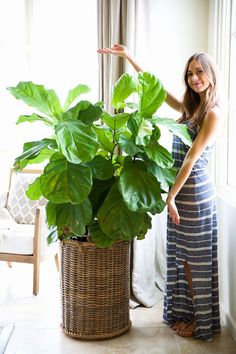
x,y
95,289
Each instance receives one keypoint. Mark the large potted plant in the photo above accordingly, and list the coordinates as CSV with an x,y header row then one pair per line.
x,y
104,175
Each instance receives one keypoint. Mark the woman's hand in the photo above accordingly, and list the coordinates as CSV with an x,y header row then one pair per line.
x,y
173,211
117,49
121,51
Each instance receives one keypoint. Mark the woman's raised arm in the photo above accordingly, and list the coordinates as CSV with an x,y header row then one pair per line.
x,y
122,51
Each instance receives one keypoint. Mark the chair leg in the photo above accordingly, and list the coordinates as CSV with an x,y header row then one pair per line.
x,y
9,264
56,261
36,278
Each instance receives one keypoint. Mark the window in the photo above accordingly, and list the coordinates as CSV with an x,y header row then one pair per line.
x,y
225,53
52,43
14,51
231,175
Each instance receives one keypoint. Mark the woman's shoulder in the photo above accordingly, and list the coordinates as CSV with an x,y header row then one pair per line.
x,y
214,112
211,121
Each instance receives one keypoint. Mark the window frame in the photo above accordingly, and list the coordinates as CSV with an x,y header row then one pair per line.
x,y
222,46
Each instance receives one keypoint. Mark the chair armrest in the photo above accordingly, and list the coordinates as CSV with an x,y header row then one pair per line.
x,y
3,199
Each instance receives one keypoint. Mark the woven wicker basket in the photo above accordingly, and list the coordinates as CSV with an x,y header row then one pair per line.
x,y
95,289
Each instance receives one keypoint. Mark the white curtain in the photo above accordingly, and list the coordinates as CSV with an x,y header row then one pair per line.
x,y
115,25
149,264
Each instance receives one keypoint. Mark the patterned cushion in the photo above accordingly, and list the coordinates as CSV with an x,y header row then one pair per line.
x,y
19,205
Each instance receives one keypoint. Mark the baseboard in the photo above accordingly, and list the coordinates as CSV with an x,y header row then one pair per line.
x,y
228,322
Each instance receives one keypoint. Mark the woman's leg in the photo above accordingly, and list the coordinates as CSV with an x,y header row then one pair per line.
x,y
181,328
189,278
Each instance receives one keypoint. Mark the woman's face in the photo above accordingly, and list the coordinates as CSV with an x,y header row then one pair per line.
x,y
197,78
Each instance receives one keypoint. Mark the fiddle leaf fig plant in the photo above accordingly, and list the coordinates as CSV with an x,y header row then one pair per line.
x,y
104,174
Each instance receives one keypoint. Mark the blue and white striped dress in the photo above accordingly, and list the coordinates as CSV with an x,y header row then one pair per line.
x,y
194,240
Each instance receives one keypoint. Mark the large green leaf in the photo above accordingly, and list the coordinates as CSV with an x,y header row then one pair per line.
x,y
144,133
147,224
115,122
64,182
176,128
75,93
128,146
84,111
37,96
115,220
51,214
122,90
134,123
73,112
19,165
34,190
156,133
33,118
75,217
78,142
105,138
151,94
166,176
45,154
98,237
32,149
101,168
159,154
90,115
99,192
140,190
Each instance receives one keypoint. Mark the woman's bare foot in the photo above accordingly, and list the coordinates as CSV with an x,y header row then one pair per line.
x,y
177,325
186,330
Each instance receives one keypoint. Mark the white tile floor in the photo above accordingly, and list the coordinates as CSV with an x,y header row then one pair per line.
x,y
36,321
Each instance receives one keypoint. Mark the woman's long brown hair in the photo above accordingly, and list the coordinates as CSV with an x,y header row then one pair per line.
x,y
193,108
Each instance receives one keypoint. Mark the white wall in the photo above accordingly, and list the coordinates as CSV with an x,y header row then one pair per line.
x,y
175,31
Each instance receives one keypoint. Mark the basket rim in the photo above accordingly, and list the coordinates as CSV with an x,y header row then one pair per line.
x,y
91,244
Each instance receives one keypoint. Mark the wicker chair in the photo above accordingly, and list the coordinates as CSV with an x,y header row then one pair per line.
x,y
23,230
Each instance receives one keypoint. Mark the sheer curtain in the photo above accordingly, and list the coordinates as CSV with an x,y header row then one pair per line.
x,y
116,22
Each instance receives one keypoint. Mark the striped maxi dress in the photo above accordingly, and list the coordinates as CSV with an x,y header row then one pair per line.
x,y
194,240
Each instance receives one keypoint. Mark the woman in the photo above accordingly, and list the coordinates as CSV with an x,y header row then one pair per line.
x,y
191,302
